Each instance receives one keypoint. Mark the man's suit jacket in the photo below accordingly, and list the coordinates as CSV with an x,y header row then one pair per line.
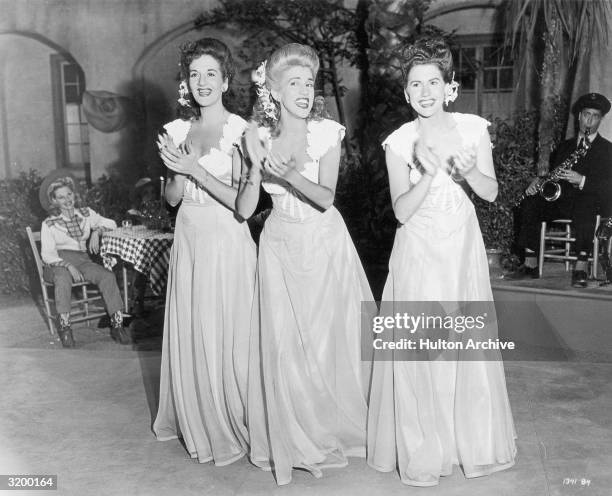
x,y
596,166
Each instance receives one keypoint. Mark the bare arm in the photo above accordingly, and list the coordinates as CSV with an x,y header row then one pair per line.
x,y
321,194
174,189
250,178
477,169
224,193
406,199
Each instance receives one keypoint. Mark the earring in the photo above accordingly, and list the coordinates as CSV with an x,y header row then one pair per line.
x,y
452,92
183,92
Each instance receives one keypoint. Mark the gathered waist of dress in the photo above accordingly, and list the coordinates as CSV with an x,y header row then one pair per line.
x,y
302,214
207,201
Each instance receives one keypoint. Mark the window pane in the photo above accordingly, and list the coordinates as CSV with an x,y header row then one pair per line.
x,y
490,79
85,149
469,52
506,79
72,113
71,75
489,56
72,94
467,80
74,154
73,133
84,133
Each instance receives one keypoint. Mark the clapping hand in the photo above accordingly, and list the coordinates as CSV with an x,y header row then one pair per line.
x,y
277,165
464,161
427,157
182,159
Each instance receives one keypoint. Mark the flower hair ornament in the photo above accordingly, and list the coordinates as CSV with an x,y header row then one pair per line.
x,y
183,92
263,93
452,93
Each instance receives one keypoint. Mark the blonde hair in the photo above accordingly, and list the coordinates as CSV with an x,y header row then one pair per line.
x,y
60,182
290,55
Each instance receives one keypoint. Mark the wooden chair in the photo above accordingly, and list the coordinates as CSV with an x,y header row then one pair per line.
x,y
601,221
80,308
560,233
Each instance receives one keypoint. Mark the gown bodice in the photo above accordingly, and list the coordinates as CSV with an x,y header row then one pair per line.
x,y
287,202
217,161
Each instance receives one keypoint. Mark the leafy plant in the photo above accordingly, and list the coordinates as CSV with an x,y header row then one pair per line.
x,y
19,207
514,150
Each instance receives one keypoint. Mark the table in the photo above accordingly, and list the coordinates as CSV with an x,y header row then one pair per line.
x,y
147,250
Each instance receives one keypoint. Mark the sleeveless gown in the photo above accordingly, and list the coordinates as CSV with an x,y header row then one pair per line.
x,y
307,403
205,348
426,416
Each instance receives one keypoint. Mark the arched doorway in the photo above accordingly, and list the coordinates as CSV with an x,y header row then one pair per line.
x,y
42,125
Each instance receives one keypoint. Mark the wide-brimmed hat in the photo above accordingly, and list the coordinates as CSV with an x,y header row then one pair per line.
x,y
106,111
594,101
43,191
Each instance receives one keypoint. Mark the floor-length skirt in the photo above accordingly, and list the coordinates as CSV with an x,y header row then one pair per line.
x,y
426,416
205,349
307,402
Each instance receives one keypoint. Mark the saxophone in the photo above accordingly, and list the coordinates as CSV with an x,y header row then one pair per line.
x,y
548,186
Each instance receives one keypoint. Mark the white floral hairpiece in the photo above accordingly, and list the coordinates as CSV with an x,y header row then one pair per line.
x,y
453,92
183,92
263,93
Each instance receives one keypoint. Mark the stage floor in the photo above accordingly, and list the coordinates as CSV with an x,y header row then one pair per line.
x,y
85,415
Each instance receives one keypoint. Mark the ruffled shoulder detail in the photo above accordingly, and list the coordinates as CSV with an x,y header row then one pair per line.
x,y
232,131
402,140
471,128
178,130
52,220
322,135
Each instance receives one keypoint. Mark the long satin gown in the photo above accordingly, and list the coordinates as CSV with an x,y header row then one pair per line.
x,y
307,403
211,282
426,416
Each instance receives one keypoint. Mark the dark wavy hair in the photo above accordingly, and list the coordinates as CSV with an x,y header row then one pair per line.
x,y
290,55
190,51
428,50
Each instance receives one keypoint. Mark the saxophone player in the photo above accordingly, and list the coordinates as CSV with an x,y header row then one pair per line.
x,y
585,180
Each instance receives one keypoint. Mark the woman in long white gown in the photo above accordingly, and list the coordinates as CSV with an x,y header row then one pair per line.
x,y
426,416
306,401
211,277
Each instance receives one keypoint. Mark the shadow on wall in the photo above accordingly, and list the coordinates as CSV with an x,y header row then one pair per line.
x,y
149,109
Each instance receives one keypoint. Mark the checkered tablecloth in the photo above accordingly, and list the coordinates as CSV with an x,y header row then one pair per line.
x,y
148,251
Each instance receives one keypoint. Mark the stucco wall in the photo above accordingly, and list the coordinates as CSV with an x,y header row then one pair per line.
x,y
106,37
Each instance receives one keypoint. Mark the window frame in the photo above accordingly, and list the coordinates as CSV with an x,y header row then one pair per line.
x,y
58,89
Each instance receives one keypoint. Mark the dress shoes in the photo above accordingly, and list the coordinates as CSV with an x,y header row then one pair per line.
x,y
120,334
66,337
579,279
523,272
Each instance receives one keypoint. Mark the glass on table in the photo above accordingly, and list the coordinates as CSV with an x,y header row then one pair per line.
x,y
126,224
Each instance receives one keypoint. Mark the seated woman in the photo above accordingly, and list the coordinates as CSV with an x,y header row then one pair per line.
x,y
64,236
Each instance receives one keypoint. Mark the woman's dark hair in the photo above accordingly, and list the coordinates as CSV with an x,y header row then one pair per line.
x,y
428,50
190,51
